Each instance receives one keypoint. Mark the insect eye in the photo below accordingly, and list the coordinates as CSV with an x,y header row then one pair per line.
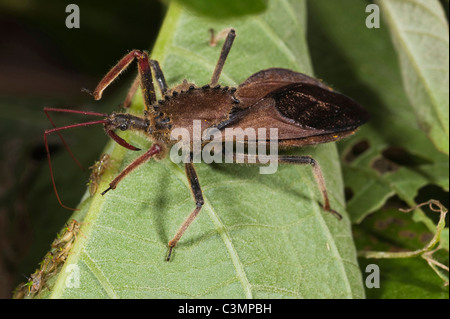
x,y
123,126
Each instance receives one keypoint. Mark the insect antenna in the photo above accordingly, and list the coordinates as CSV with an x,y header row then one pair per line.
x,y
66,146
57,131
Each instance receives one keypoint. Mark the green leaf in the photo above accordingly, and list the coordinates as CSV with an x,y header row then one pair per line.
x,y
363,64
393,231
419,30
222,9
257,236
368,70
444,239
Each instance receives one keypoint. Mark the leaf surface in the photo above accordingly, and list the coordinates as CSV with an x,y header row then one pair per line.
x,y
391,157
368,70
419,30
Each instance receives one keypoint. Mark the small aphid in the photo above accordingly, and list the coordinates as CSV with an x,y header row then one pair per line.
x,y
63,252
37,280
35,283
68,234
53,260
48,265
97,171
64,243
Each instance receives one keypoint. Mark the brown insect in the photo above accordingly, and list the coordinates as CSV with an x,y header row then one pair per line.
x,y
303,109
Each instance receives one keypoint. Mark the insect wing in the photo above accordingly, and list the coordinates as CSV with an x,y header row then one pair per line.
x,y
303,113
265,81
311,106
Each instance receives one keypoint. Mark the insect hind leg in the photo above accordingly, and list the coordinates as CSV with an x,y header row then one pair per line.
x,y
295,160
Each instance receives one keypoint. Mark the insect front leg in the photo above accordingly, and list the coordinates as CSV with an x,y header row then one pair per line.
x,y
160,79
198,196
297,160
145,78
155,149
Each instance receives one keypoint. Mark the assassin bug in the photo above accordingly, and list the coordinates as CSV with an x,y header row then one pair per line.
x,y
303,109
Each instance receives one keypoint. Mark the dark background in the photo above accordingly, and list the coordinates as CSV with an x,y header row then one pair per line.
x,y
43,63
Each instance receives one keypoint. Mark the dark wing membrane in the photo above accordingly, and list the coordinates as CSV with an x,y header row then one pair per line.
x,y
315,107
265,81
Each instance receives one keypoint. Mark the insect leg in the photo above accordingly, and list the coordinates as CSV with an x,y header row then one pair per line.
x,y
223,56
197,193
159,76
285,159
297,160
215,38
112,75
155,149
145,72
145,76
